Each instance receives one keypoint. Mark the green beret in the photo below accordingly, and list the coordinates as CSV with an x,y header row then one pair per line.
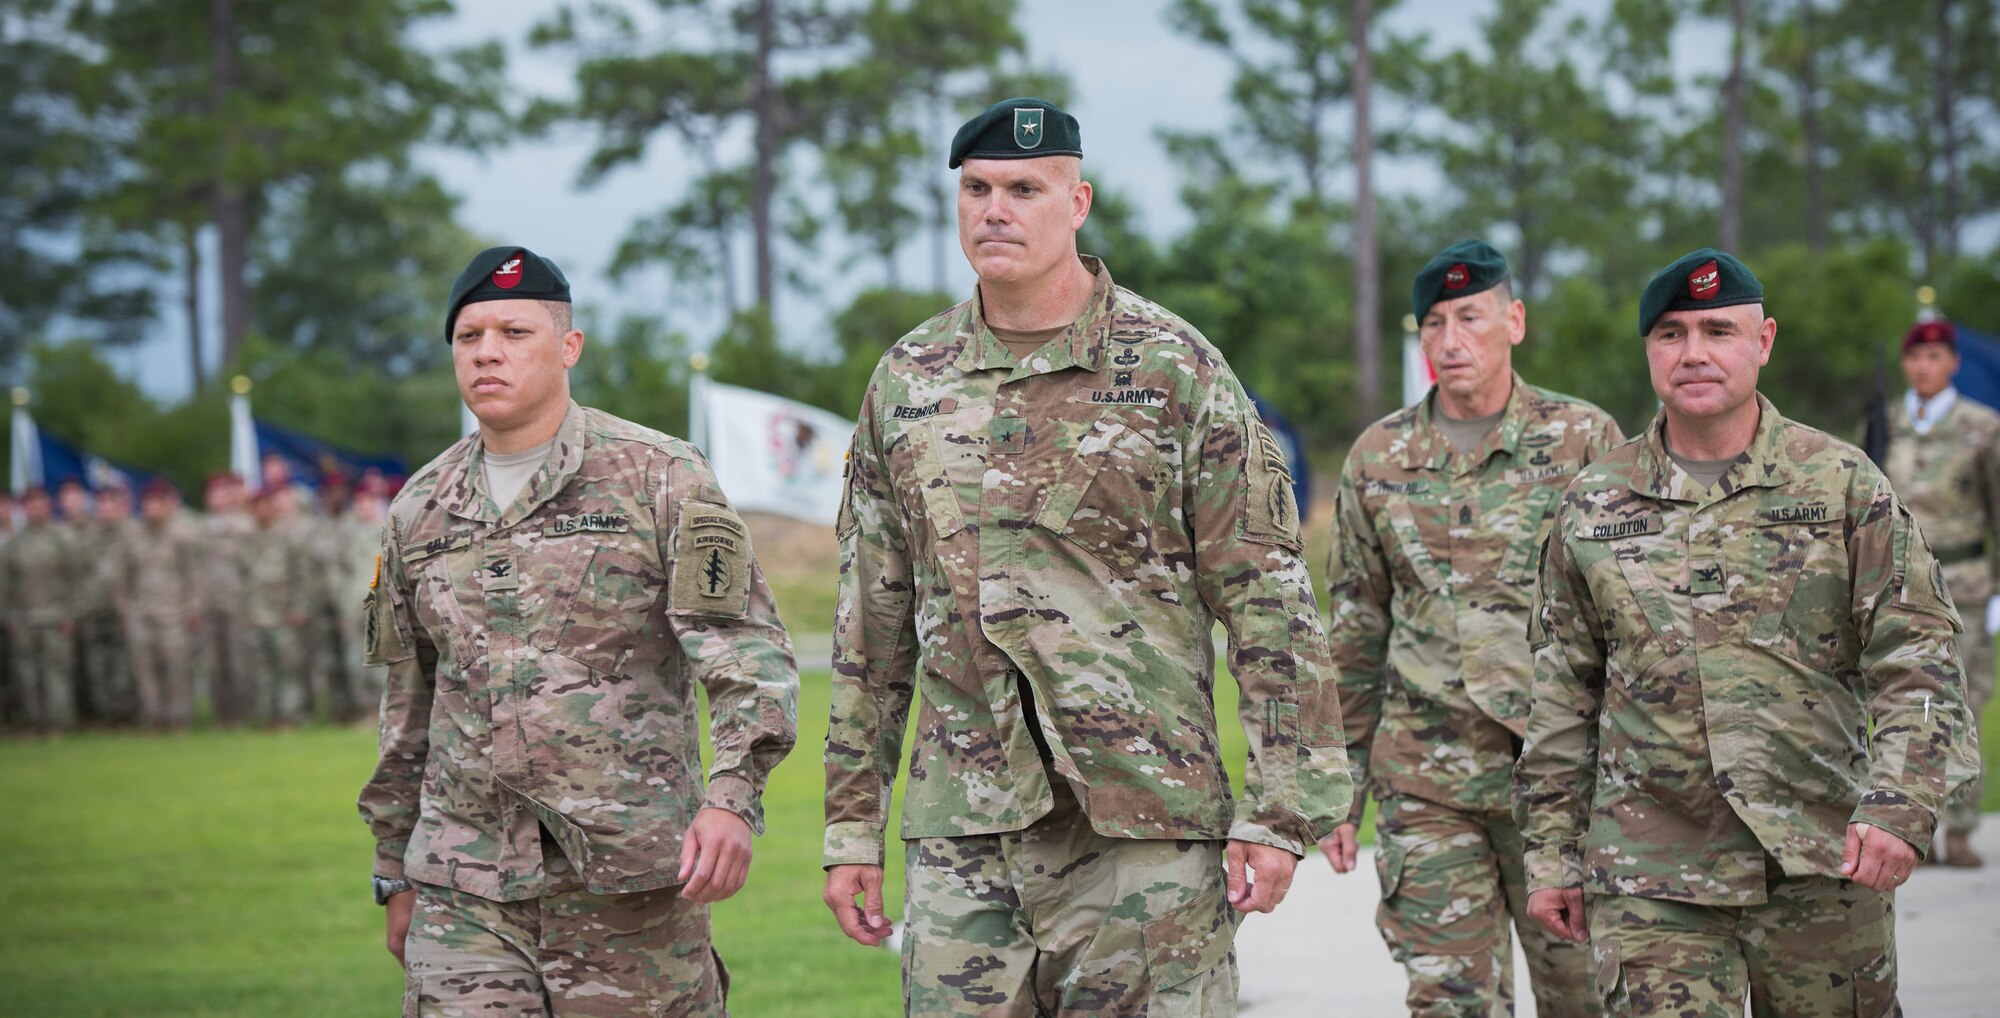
x,y
1701,279
1461,270
1021,128
505,273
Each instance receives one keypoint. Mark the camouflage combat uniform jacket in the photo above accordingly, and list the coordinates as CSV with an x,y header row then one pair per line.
x,y
1709,666
1078,522
46,575
542,659
1950,480
1432,574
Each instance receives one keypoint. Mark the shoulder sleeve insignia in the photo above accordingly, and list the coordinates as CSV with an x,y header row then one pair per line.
x,y
711,561
1272,514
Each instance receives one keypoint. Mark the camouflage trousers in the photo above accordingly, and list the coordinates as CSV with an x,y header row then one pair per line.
x,y
277,668
1451,880
162,669
1975,648
107,668
566,953
1058,920
233,696
1819,946
45,674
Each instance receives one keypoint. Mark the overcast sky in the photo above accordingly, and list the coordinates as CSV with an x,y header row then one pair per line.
x,y
1130,75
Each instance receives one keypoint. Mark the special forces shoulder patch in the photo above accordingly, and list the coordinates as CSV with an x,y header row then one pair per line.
x,y
1922,587
384,640
711,561
1272,514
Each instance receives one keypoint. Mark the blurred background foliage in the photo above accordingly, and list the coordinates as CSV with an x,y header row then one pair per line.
x,y
1848,149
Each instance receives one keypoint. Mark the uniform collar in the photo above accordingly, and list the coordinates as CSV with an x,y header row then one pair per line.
x,y
1934,408
1763,465
1082,343
1429,449
465,495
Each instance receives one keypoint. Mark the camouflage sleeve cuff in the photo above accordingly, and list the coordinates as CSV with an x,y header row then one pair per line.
x,y
736,794
389,858
1263,834
1552,869
1895,813
853,843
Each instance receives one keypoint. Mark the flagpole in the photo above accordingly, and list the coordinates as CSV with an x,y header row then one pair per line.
x,y
26,468
698,402
243,454
1416,367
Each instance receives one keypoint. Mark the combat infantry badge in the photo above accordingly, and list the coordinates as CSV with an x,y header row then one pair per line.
x,y
1028,128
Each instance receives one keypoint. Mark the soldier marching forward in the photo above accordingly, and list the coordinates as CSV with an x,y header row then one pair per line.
x,y
1944,463
1747,701
1443,508
550,590
1056,489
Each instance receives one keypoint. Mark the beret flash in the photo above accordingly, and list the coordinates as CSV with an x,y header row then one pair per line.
x,y
505,273
1697,281
1461,270
1023,128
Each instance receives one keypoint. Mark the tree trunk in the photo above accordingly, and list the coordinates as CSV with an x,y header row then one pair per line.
x,y
191,270
941,204
1947,132
1367,270
764,175
1809,124
1730,230
230,205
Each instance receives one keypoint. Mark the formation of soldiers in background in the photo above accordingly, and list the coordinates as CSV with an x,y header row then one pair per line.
x,y
124,610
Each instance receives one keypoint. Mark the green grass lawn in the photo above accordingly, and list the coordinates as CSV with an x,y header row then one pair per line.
x,y
226,873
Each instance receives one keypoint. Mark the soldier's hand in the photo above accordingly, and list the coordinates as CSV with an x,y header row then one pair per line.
x,y
1876,859
715,856
1271,875
865,925
1560,911
398,909
1342,847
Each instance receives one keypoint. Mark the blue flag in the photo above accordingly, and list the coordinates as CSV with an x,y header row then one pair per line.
x,y
311,460
1978,377
43,460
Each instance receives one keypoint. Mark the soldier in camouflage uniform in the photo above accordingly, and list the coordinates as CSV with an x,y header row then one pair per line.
x,y
1747,701
159,599
43,570
1056,489
324,539
106,538
275,576
1944,462
358,537
1442,510
225,629
550,591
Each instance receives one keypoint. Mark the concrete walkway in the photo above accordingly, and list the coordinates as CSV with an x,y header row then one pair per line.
x,y
1318,955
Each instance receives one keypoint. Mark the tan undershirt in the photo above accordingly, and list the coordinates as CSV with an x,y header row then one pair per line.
x,y
1704,472
1022,342
1465,435
508,473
